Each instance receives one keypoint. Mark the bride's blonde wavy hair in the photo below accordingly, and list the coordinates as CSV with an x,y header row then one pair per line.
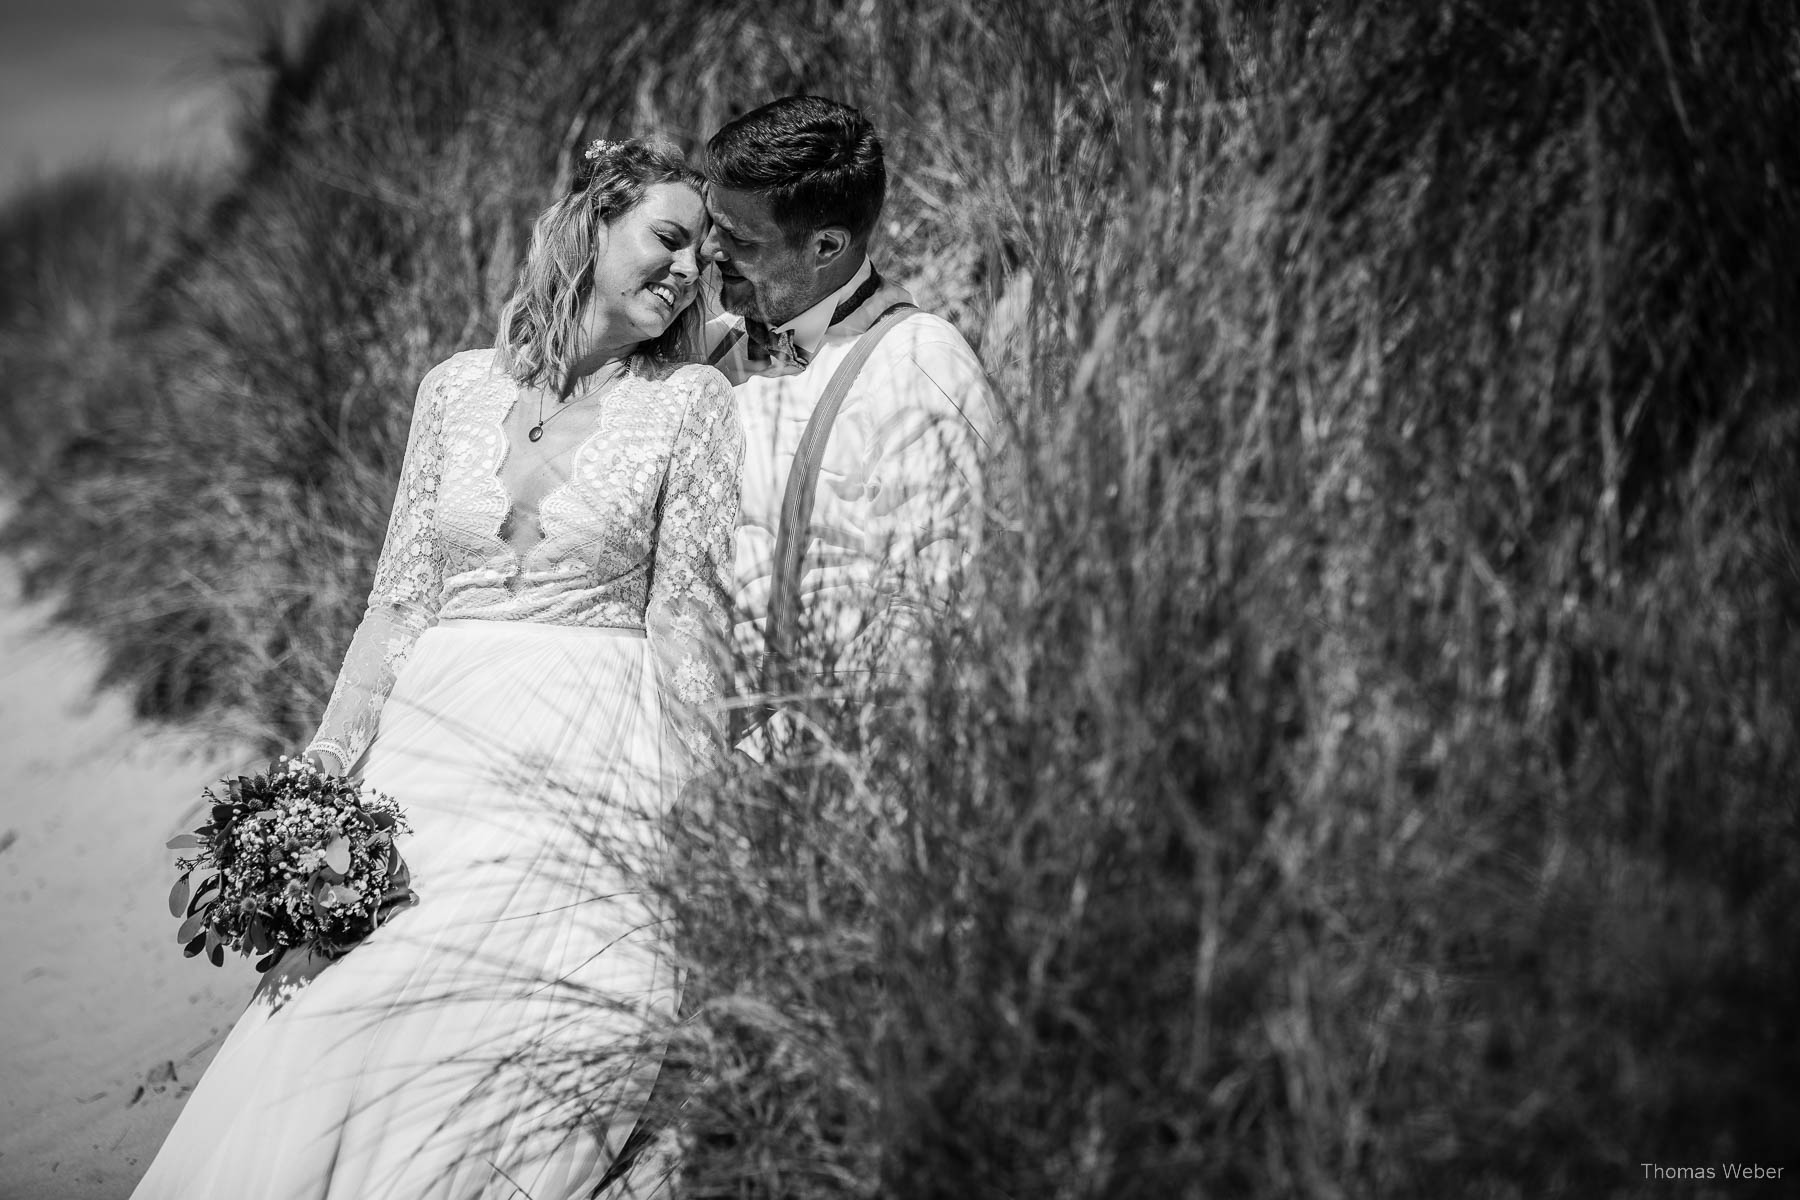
x,y
540,326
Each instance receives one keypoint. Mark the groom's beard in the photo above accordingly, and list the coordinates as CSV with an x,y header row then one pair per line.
x,y
737,295
774,297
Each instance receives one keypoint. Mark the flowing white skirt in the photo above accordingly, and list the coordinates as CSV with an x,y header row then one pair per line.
x,y
499,1039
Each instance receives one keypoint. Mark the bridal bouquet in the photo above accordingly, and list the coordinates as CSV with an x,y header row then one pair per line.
x,y
291,858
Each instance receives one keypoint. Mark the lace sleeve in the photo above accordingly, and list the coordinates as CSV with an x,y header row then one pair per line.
x,y
404,599
688,613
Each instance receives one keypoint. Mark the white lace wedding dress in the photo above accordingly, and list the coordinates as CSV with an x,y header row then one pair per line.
x,y
531,682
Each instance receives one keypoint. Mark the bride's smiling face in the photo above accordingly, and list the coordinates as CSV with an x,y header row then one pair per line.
x,y
645,270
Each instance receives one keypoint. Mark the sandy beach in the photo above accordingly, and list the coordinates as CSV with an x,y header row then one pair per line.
x,y
104,1027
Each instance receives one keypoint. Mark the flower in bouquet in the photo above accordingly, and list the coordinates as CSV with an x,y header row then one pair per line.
x,y
293,858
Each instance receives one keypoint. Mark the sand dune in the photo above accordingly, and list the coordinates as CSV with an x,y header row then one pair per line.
x,y
103,1025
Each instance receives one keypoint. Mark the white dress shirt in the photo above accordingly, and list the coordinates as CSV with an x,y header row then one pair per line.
x,y
899,481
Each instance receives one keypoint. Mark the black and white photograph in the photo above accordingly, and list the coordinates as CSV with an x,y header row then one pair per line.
x,y
899,599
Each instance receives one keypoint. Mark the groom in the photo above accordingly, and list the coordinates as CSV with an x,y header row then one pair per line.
x,y
795,191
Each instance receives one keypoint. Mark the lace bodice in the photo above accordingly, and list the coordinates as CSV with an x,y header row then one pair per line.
x,y
620,520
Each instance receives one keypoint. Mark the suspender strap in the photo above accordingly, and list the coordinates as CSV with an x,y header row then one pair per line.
x,y
725,345
792,536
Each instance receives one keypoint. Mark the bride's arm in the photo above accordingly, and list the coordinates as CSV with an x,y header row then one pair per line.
x,y
404,599
687,616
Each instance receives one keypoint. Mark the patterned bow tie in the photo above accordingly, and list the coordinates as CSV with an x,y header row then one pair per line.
x,y
776,354
773,353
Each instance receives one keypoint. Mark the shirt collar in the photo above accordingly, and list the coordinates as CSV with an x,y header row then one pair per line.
x,y
810,326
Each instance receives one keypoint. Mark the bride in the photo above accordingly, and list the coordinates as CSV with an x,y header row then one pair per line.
x,y
534,676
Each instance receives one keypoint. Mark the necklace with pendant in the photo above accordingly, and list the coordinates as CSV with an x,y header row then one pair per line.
x,y
536,432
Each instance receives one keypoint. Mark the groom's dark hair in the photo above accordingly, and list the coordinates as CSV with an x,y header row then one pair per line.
x,y
817,162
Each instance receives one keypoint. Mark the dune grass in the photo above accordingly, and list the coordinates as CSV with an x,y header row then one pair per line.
x,y
1364,766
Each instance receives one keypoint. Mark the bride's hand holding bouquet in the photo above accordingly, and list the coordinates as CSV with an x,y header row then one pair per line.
x,y
291,858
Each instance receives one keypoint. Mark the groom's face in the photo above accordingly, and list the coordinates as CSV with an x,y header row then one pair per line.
x,y
764,272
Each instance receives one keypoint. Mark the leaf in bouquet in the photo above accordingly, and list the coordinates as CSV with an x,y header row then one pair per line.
x,y
191,927
344,893
200,893
394,902
258,936
195,945
222,814
337,855
178,896
217,955
183,841
270,959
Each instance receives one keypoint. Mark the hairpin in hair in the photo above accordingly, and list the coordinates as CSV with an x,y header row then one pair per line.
x,y
598,147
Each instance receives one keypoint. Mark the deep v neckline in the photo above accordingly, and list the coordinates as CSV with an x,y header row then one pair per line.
x,y
509,503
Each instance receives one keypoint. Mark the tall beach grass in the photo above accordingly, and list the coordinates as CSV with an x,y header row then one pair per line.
x,y
1363,764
